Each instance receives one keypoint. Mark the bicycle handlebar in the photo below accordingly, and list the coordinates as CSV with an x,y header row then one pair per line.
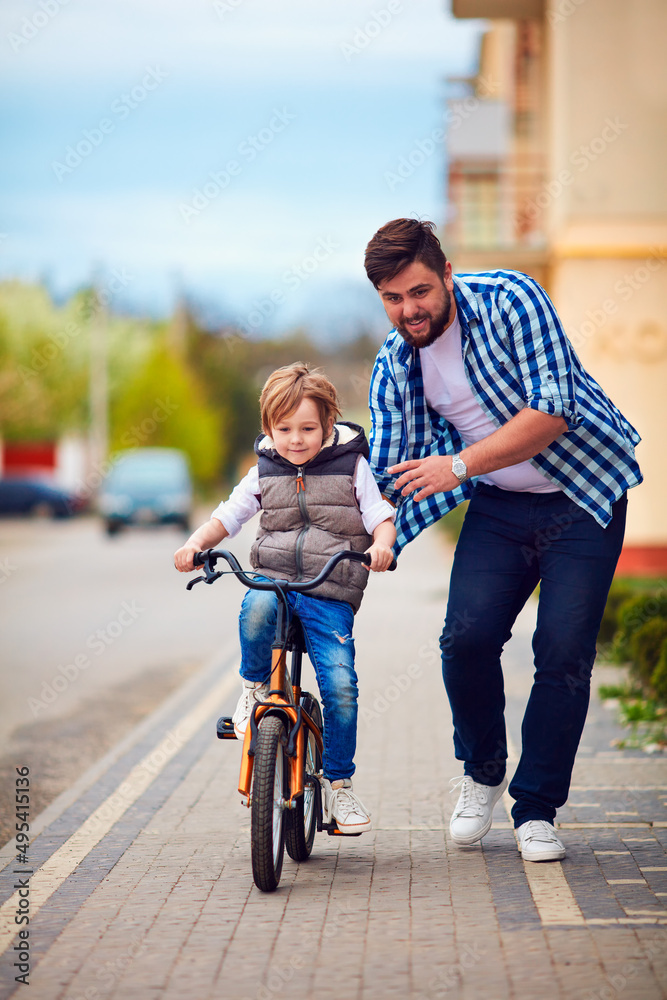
x,y
208,559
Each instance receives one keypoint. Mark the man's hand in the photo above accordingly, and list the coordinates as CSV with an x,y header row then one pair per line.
x,y
428,475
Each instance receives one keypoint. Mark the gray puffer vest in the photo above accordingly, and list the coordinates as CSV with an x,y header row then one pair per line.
x,y
309,513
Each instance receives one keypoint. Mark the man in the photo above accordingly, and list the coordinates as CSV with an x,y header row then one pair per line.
x,y
477,394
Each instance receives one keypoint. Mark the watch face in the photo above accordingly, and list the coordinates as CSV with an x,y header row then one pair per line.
x,y
459,469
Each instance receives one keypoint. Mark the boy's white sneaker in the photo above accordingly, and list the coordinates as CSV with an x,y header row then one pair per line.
x,y
253,691
472,818
538,841
342,807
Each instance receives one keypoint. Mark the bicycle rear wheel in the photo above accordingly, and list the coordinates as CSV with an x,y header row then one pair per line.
x,y
270,785
301,822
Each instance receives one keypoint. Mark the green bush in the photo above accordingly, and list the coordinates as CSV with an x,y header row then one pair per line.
x,y
646,646
659,676
632,615
620,592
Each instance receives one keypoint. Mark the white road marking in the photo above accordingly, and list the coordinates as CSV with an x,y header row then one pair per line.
x,y
553,898
620,824
608,921
62,863
205,677
615,788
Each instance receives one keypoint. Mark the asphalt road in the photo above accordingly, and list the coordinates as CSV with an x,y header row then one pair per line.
x,y
94,634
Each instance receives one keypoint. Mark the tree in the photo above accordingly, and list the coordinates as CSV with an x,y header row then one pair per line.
x,y
165,405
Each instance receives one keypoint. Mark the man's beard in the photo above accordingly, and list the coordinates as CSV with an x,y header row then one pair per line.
x,y
436,328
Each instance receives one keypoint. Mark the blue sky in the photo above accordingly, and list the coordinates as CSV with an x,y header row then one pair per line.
x,y
313,103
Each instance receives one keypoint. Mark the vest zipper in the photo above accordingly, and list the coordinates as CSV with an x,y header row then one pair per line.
x,y
303,508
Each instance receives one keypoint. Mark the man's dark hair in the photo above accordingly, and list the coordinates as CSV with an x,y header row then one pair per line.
x,y
400,243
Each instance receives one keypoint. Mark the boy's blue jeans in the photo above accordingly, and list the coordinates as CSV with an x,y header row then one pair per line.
x,y
327,627
509,542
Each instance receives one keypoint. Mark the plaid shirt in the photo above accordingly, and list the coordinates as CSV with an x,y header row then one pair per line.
x,y
515,355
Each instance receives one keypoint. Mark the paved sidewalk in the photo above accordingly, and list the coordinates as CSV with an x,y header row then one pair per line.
x,y
142,885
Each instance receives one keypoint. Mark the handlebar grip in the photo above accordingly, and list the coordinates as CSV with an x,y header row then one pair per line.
x,y
198,559
363,557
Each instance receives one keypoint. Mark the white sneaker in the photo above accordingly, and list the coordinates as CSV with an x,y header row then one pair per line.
x,y
472,818
342,807
538,841
252,691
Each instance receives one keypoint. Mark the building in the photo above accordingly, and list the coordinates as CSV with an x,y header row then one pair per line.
x,y
556,168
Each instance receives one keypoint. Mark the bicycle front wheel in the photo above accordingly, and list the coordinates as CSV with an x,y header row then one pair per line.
x,y
270,788
301,823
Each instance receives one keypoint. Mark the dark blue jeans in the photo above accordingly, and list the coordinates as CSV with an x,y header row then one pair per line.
x,y
509,543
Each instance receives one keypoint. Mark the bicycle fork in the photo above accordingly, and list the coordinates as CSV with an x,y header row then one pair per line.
x,y
284,701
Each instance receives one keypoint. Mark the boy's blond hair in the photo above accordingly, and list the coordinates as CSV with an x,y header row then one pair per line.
x,y
286,388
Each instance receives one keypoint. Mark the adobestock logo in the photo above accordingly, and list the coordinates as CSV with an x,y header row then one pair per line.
x,y
249,149
121,107
292,279
423,149
222,7
368,32
581,159
41,357
7,567
97,642
31,26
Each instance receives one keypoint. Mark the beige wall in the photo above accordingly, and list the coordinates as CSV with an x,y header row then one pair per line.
x,y
606,214
603,209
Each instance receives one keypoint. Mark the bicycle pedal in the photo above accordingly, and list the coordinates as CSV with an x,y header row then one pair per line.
x,y
225,728
333,831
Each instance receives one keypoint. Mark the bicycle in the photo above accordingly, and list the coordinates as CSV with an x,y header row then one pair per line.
x,y
281,760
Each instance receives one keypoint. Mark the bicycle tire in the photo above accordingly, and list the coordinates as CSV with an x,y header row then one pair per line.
x,y
270,783
301,823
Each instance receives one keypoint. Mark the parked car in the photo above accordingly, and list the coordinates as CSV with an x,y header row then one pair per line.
x,y
147,486
26,495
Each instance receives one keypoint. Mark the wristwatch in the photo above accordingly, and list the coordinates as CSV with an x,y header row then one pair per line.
x,y
459,468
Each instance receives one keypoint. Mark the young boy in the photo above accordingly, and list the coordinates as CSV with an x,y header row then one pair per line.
x,y
317,495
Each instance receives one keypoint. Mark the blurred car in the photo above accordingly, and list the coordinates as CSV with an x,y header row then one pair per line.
x,y
26,495
147,486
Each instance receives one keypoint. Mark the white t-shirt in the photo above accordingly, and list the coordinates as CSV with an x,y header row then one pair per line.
x,y
447,390
244,502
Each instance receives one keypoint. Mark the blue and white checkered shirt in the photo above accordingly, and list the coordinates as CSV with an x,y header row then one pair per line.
x,y
515,355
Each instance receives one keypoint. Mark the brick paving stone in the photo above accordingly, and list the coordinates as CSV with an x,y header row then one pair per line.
x,y
528,962
400,912
627,969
